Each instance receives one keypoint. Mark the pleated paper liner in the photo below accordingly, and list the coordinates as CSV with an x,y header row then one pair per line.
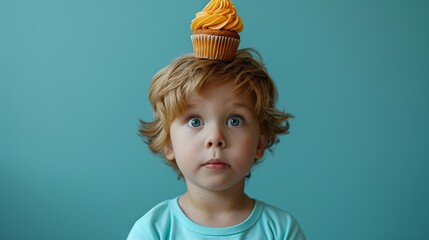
x,y
215,47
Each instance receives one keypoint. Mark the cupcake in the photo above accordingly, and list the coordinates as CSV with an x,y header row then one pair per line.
x,y
215,31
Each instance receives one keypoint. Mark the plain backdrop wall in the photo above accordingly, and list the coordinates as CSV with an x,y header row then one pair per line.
x,y
74,79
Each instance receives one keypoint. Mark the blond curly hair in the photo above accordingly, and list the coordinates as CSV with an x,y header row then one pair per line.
x,y
172,85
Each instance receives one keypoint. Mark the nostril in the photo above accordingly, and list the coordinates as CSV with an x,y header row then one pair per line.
x,y
215,143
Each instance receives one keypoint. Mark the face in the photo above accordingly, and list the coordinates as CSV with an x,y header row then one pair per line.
x,y
216,140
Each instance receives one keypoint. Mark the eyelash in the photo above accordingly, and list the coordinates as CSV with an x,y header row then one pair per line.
x,y
189,119
241,120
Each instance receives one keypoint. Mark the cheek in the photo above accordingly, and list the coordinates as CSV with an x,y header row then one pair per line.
x,y
248,138
183,146
247,146
177,136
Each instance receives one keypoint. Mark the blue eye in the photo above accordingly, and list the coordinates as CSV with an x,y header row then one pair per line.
x,y
195,122
235,121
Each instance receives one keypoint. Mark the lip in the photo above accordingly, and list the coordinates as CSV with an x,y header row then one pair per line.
x,y
216,164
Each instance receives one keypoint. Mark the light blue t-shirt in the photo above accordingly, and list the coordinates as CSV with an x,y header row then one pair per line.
x,y
167,221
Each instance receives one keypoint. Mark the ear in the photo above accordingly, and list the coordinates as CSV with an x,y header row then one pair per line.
x,y
260,149
169,152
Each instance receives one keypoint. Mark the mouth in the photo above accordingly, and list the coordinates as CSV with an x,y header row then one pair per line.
x,y
216,164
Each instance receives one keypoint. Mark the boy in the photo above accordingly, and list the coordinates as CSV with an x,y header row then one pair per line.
x,y
213,122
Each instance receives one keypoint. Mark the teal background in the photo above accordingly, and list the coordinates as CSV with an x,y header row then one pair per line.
x,y
74,79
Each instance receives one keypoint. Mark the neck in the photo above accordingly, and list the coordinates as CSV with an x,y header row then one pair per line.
x,y
216,208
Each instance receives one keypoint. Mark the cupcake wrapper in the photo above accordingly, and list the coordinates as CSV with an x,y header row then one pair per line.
x,y
214,46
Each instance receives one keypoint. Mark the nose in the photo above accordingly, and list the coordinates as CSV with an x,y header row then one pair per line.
x,y
215,138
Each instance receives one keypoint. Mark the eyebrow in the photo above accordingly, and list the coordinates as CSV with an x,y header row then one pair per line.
x,y
241,105
192,104
234,104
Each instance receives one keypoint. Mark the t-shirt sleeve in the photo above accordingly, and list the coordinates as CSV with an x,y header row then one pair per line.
x,y
295,232
137,233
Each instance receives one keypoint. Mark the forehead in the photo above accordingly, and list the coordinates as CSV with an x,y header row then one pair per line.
x,y
221,94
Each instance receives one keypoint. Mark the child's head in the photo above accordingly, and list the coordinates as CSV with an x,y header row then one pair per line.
x,y
172,86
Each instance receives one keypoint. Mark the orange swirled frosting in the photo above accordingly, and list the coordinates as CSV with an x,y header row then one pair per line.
x,y
218,15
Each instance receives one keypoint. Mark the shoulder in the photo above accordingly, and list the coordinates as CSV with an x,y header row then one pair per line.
x,y
151,224
280,222
156,214
274,213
